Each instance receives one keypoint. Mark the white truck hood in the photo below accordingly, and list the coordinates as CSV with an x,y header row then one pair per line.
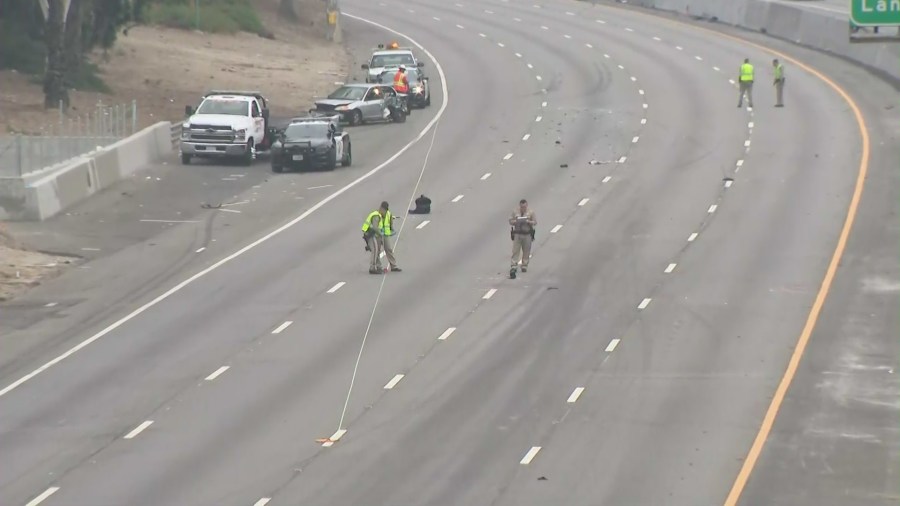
x,y
235,122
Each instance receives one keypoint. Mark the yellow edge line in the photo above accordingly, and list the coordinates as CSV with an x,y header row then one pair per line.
x,y
769,420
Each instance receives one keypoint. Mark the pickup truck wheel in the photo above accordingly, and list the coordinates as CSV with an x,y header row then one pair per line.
x,y
356,118
249,154
185,159
348,156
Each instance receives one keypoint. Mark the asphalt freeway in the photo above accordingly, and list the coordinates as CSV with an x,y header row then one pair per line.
x,y
681,244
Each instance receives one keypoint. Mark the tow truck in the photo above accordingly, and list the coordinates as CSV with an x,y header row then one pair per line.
x,y
227,124
391,56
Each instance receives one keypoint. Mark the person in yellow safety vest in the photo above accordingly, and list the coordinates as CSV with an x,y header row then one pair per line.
x,y
387,238
401,82
745,78
374,230
779,83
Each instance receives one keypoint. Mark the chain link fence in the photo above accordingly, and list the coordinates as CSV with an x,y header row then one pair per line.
x,y
72,136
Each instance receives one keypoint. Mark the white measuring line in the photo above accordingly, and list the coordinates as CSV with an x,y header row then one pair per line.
x,y
180,286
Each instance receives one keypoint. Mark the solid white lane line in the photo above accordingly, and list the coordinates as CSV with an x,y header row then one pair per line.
x,y
629,30
508,156
555,229
657,39
622,159
588,45
446,334
391,384
712,208
485,176
728,183
583,201
612,345
698,58
218,373
526,137
336,287
490,293
692,237
263,501
280,230
606,179
670,268
288,323
137,430
634,140
335,437
644,303
575,395
422,225
530,455
200,250
457,198
538,119
39,499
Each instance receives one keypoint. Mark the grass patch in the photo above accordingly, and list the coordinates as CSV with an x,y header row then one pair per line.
x,y
215,16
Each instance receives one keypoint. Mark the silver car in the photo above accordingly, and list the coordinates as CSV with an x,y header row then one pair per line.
x,y
359,103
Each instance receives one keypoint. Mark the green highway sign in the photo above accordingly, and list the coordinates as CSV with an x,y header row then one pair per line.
x,y
875,12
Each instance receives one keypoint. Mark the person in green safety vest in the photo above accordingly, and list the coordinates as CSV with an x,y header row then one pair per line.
x,y
387,239
375,229
779,83
745,78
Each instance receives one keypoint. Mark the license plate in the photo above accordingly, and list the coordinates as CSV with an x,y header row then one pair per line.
x,y
297,158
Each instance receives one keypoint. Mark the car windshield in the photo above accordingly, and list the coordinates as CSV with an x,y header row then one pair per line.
x,y
349,93
387,77
220,106
384,60
306,131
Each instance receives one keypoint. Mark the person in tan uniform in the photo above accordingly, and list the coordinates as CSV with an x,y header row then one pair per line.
x,y
522,223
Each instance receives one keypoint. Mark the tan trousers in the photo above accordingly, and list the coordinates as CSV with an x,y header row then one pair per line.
x,y
521,245
746,89
375,245
388,246
779,92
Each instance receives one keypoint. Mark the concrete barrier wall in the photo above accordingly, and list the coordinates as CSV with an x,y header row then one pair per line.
x,y
41,195
819,30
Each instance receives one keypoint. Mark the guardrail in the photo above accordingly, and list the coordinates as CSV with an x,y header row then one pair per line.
x,y
72,136
176,133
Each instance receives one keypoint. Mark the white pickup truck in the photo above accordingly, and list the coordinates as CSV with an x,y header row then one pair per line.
x,y
393,56
227,124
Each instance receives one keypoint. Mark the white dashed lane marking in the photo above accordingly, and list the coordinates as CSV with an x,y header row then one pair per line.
x,y
670,268
555,229
335,437
485,176
646,106
529,65
600,21
200,250
644,303
543,104
731,81
457,198
643,121
629,30
526,137
137,430
583,201
740,163
588,45
435,18
508,156
728,183
517,20
287,324
712,208
461,27
717,69
530,455
750,125
500,44
622,159
634,140
575,395
538,77
218,372
698,58
612,345
679,48
51,304
336,287
692,237
44,495
263,501
607,179
621,67
633,78
518,55
423,224
567,36
391,384
605,55
657,39
446,334
544,28
570,13
538,119
482,35
490,293
747,143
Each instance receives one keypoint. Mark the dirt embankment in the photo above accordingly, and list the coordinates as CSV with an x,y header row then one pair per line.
x,y
164,70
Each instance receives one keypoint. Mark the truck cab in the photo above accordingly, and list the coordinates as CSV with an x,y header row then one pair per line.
x,y
227,124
